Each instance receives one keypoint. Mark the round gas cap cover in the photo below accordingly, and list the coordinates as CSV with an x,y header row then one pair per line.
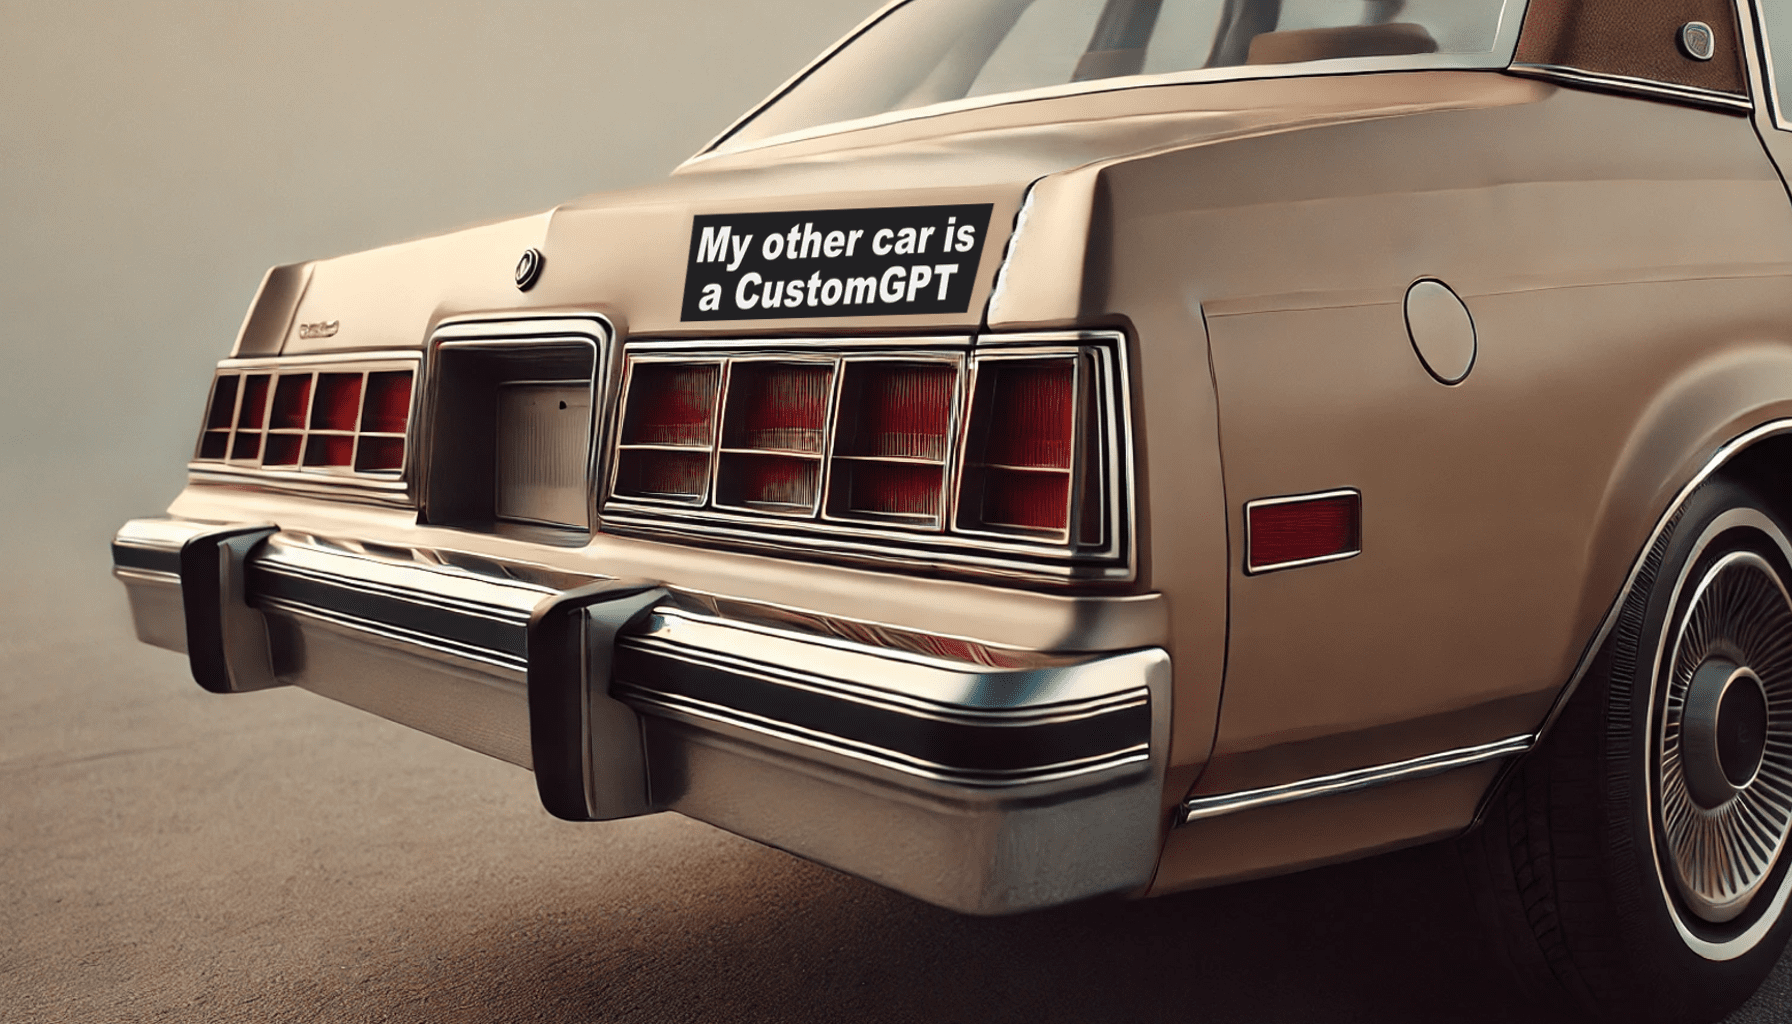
x,y
1442,331
528,269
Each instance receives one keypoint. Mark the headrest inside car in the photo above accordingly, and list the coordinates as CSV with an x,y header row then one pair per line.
x,y
1345,41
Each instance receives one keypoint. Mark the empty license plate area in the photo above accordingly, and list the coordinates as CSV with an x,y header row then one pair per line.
x,y
543,451
512,432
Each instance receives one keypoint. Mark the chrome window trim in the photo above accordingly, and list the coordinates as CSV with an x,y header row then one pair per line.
x,y
1499,56
1292,499
1202,808
1624,83
1755,23
1114,559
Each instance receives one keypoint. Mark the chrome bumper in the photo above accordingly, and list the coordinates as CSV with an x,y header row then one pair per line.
x,y
985,780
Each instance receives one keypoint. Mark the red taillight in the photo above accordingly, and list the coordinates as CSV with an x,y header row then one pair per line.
x,y
283,450
329,450
892,489
672,404
388,406
1030,501
771,483
292,400
891,456
1283,533
902,411
214,440
379,454
338,403
311,419
667,475
255,403
1031,452
778,406
775,424
1018,474
1033,412
223,403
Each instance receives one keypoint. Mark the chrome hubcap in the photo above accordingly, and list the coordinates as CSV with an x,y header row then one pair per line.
x,y
1725,774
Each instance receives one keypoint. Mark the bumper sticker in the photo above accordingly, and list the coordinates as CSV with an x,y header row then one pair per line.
x,y
833,263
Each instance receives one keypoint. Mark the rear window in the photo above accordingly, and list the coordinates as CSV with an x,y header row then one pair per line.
x,y
928,52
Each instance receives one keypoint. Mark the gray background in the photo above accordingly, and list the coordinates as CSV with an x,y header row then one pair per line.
x,y
169,855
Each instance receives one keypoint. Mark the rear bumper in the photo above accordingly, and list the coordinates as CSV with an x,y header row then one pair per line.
x,y
985,780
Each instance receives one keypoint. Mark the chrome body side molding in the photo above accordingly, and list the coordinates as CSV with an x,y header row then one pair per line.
x,y
1203,807
1626,84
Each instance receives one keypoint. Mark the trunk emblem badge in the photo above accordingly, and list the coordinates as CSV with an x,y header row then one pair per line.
x,y
528,269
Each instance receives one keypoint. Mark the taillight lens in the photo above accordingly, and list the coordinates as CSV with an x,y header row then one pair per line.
x,y
329,450
1027,453
292,400
310,419
672,404
668,431
1286,532
774,428
667,475
778,407
338,403
895,425
223,409
1019,469
388,406
768,483
1033,411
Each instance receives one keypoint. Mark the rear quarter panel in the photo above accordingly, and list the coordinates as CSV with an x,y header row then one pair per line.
x,y
1626,263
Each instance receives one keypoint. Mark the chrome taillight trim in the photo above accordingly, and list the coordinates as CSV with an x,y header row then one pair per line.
x,y
391,486
1064,557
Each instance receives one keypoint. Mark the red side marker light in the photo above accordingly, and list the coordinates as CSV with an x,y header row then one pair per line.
x,y
1282,533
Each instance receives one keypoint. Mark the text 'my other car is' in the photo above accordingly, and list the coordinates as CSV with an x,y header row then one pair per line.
x,y
1054,448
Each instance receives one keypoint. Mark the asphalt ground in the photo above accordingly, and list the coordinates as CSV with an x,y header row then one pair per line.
x,y
169,855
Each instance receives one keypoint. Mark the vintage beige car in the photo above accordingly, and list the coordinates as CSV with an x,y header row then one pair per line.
x,y
1054,448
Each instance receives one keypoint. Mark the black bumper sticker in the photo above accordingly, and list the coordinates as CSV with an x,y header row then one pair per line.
x,y
833,263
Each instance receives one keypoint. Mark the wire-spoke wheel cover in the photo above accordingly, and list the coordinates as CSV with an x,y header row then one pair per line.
x,y
1725,744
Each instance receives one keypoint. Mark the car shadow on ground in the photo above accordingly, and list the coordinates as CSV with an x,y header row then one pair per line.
x,y
1388,940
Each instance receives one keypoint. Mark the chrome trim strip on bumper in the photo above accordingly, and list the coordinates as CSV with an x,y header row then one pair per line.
x,y
1026,741
1204,807
1037,718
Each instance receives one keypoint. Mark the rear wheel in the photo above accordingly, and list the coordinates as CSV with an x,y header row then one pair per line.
x,y
1636,861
